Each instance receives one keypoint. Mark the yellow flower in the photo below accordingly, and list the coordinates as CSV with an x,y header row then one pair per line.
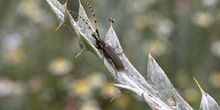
x,y
191,95
109,91
14,55
214,79
60,66
141,21
203,19
81,88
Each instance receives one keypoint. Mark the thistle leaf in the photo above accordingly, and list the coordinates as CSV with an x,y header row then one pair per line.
x,y
157,91
207,102
163,87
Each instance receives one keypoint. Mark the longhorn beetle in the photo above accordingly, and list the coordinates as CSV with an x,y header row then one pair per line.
x,y
106,50
109,52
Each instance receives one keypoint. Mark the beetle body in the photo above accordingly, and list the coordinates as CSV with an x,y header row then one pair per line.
x,y
109,53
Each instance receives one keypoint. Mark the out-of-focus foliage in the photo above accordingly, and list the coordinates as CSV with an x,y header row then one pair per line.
x,y
38,69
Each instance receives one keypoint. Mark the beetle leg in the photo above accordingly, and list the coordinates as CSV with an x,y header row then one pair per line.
x,y
101,51
114,68
110,61
120,53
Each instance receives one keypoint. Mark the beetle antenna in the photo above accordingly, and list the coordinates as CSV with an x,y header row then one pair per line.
x,y
94,15
73,12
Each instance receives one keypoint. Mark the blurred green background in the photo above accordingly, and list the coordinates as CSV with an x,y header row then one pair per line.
x,y
38,70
